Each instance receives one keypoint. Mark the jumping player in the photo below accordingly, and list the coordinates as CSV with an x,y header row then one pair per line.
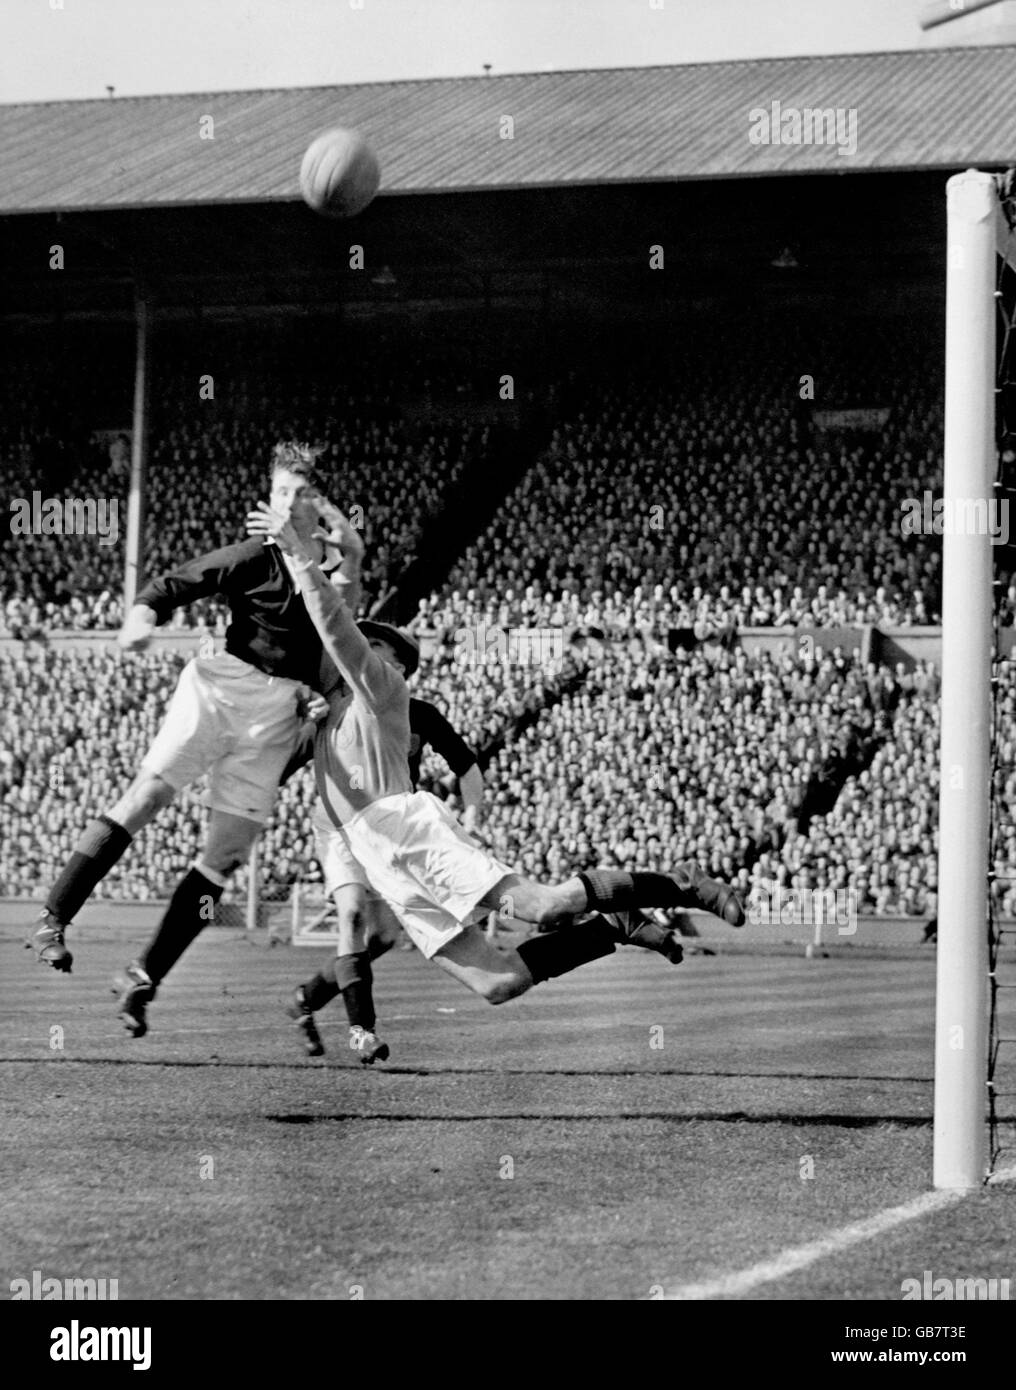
x,y
438,880
233,715
367,926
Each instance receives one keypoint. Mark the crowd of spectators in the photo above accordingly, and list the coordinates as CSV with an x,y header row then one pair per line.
x,y
663,504
208,462
618,754
693,494
203,481
713,755
690,489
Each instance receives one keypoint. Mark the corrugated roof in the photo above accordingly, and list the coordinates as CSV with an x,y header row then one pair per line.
x,y
937,109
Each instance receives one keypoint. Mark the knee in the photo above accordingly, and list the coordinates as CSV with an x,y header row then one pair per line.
x,y
148,795
533,903
352,930
351,919
504,987
226,857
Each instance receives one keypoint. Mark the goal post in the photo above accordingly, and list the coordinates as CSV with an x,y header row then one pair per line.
x,y
977,234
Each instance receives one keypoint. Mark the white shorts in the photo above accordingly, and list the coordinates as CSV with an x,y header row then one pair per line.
x,y
427,868
228,719
338,862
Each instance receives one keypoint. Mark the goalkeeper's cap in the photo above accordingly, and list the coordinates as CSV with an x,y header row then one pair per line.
x,y
406,648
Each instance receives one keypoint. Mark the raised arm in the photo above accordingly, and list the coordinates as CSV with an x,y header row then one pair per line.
x,y
343,641
363,670
344,537
137,629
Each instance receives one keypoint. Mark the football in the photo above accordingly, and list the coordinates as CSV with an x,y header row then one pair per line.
x,y
340,174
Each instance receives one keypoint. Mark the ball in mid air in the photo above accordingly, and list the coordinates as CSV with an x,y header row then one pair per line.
x,y
339,174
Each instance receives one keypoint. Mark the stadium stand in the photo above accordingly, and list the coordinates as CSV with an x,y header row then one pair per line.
x,y
627,748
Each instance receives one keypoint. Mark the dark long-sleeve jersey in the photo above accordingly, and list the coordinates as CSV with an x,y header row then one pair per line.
x,y
429,728
270,628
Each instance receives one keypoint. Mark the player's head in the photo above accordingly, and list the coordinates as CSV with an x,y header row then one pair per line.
x,y
296,482
393,646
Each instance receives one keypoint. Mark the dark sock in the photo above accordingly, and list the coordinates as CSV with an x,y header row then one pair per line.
x,y
322,989
355,978
190,910
100,846
614,890
556,952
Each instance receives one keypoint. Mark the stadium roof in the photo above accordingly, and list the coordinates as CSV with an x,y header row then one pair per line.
x,y
915,110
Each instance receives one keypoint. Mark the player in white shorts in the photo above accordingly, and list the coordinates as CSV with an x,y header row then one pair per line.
x,y
439,882
367,926
236,716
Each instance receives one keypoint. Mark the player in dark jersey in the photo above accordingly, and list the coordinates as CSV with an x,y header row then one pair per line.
x,y
367,926
234,715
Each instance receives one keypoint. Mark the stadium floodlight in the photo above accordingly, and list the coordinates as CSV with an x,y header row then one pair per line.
x,y
979,241
942,11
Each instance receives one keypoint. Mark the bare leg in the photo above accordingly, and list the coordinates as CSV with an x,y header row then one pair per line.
x,y
613,892
142,800
517,899
496,976
500,975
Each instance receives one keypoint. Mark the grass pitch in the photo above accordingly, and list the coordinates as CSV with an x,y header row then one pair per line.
x,y
632,1128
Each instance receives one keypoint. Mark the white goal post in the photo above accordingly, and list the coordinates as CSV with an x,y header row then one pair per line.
x,y
977,234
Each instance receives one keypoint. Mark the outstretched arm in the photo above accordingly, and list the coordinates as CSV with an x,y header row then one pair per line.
x,y
137,629
199,578
344,536
343,641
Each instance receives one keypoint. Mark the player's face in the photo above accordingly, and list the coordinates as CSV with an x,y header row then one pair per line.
x,y
387,653
294,497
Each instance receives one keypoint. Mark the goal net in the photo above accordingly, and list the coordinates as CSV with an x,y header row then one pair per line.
x,y
1001,1070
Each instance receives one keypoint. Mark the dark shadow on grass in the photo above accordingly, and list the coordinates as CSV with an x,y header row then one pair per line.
x,y
730,1117
320,1065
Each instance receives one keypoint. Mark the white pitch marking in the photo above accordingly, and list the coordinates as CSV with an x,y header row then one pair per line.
x,y
800,1256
